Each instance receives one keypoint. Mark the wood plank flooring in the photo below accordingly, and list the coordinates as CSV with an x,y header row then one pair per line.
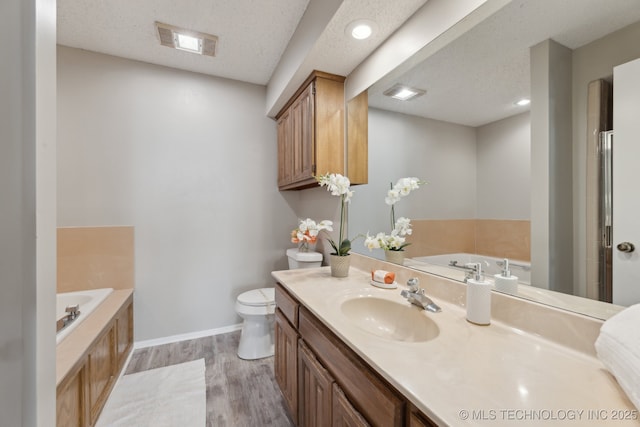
x,y
239,392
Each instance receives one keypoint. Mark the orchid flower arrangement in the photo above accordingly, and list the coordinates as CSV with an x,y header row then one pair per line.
x,y
396,241
338,185
308,230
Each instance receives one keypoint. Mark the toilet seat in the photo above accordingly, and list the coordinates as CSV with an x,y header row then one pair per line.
x,y
258,297
257,307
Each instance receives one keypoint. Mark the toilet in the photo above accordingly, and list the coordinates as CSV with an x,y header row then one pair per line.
x,y
257,308
299,259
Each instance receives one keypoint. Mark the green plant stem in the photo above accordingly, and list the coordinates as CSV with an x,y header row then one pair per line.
x,y
393,217
393,212
341,223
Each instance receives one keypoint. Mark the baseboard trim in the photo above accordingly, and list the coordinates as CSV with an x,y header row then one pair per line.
x,y
187,336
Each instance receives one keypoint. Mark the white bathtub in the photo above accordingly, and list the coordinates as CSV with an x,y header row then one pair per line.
x,y
521,269
87,300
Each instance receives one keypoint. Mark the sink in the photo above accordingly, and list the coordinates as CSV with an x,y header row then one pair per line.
x,y
389,319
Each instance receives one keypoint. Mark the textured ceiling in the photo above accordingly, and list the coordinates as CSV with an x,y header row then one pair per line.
x,y
252,34
476,79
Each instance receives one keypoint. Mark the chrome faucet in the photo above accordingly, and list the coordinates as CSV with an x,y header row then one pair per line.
x,y
415,295
470,269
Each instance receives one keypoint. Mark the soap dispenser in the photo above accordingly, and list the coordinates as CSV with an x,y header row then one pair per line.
x,y
505,282
478,298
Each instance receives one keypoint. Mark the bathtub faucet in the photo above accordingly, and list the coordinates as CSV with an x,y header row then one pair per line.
x,y
469,269
415,295
515,264
73,310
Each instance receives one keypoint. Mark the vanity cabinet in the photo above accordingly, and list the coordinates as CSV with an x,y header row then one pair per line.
x,y
315,389
417,419
286,363
344,414
311,134
333,386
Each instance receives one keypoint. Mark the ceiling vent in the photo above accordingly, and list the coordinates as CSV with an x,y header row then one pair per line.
x,y
187,40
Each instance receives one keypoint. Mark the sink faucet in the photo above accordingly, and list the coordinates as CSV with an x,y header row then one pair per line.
x,y
415,295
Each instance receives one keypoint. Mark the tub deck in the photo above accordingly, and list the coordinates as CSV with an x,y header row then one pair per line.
x,y
72,350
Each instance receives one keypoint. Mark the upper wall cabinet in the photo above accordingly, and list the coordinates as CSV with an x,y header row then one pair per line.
x,y
311,129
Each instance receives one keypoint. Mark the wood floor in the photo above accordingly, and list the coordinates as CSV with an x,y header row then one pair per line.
x,y
239,392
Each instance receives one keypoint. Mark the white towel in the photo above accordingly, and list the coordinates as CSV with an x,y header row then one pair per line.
x,y
618,347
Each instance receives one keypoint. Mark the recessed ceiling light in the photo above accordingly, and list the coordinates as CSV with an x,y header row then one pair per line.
x,y
187,40
361,29
404,93
522,102
188,43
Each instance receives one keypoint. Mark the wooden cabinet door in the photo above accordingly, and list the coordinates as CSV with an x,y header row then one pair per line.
x,y
285,150
286,363
344,414
380,404
314,390
70,401
418,419
124,329
302,116
101,372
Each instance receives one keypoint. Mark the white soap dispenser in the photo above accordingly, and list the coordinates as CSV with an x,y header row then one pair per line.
x,y
478,298
505,282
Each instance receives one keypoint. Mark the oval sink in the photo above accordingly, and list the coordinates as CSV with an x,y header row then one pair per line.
x,y
390,320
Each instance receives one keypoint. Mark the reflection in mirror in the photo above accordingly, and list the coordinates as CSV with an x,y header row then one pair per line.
x,y
504,180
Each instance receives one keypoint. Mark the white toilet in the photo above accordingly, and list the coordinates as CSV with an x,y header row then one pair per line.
x,y
303,259
257,308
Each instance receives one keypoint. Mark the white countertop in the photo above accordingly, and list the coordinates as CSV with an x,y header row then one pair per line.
x,y
470,375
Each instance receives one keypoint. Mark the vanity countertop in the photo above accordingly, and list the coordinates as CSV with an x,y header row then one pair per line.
x,y
470,375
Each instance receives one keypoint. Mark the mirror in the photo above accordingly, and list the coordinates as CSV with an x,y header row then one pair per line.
x,y
473,146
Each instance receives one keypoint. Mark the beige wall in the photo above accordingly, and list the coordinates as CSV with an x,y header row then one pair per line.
x,y
95,258
497,238
190,162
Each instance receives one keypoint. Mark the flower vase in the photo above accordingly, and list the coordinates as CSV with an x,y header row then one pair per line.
x,y
396,257
339,265
306,246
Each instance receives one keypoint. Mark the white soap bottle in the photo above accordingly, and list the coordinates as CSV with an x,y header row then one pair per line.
x,y
478,298
505,282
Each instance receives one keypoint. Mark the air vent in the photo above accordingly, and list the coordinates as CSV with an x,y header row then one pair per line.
x,y
187,40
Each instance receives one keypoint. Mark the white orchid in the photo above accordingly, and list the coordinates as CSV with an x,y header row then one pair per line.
x,y
308,230
392,242
403,187
338,185
400,228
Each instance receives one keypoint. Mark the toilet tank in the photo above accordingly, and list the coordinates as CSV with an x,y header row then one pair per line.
x,y
299,259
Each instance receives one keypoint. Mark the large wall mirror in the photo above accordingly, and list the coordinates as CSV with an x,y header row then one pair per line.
x,y
503,180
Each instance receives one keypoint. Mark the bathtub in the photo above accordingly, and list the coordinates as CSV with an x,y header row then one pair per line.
x,y
87,300
521,269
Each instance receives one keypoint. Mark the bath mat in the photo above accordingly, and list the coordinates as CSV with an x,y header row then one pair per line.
x,y
170,396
